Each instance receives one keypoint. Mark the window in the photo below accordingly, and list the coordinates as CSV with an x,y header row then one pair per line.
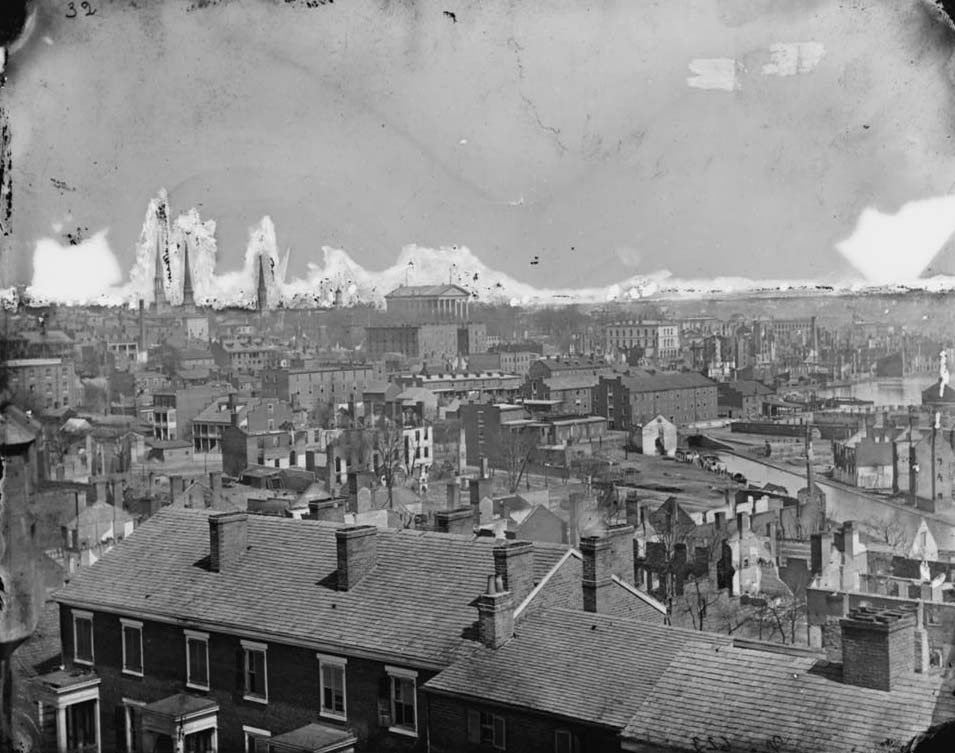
x,y
132,647
566,742
256,740
402,697
253,672
331,671
197,660
486,729
83,637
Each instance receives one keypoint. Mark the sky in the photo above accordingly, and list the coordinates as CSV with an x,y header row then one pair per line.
x,y
765,139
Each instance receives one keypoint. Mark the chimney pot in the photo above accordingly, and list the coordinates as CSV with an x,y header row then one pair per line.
x,y
357,554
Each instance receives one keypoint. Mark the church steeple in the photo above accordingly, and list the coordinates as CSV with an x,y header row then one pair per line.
x,y
187,293
162,258
261,290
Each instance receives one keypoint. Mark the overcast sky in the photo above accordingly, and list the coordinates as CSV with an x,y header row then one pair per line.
x,y
707,137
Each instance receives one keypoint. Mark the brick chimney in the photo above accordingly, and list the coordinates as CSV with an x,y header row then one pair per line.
x,y
495,614
878,647
357,554
331,510
820,548
228,539
176,487
597,572
215,484
621,545
514,564
454,494
576,503
460,521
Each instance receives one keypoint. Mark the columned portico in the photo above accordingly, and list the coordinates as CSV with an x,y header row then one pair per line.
x,y
68,710
181,723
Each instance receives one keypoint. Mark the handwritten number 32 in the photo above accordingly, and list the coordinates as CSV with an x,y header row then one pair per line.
x,y
72,12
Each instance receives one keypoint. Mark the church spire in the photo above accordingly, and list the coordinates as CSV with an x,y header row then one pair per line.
x,y
188,298
162,258
261,290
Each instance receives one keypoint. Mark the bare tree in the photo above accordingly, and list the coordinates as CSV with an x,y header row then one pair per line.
x,y
388,444
517,450
890,531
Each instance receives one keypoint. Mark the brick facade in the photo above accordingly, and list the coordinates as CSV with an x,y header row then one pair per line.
x,y
292,676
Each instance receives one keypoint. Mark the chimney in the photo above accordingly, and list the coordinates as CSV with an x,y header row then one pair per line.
x,y
597,573
621,546
820,546
573,524
176,487
459,521
215,484
453,494
495,614
357,554
742,524
228,537
850,537
330,510
878,647
514,564
633,510
118,497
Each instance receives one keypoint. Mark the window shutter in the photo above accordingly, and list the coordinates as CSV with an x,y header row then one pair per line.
x,y
474,727
499,732
240,670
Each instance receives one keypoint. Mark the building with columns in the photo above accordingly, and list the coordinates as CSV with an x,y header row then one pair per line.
x,y
429,303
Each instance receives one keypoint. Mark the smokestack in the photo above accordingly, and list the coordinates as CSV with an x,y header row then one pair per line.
x,y
228,539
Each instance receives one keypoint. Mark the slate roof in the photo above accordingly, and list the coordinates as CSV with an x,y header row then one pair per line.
x,y
664,686
661,382
589,667
572,381
415,605
798,698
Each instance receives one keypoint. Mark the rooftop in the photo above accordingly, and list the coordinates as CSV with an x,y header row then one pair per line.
x,y
415,604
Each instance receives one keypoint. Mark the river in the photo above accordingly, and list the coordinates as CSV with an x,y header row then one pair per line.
x,y
843,503
885,390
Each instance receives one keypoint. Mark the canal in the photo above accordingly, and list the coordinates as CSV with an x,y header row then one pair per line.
x,y
843,503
